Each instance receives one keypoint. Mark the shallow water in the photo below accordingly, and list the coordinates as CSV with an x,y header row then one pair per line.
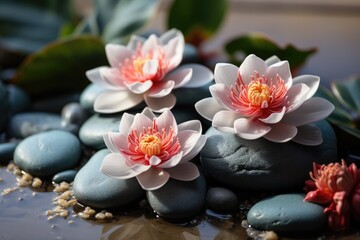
x,y
23,216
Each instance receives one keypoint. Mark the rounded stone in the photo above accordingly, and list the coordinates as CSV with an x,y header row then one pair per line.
x,y
4,106
88,96
45,154
221,200
287,213
92,131
73,113
261,165
7,151
93,188
189,96
19,100
25,124
64,176
179,199
190,54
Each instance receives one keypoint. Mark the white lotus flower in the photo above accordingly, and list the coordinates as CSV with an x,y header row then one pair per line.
x,y
153,149
261,99
145,69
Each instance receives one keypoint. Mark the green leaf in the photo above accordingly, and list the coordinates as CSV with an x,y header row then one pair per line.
x,y
348,93
115,20
197,19
60,66
264,48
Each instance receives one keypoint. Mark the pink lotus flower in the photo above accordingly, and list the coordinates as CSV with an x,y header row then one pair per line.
x,y
153,149
145,70
337,187
261,99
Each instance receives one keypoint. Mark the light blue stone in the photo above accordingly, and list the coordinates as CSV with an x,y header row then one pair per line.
x,y
4,106
7,151
261,165
45,154
189,96
287,213
92,131
25,124
19,100
93,188
88,96
65,176
179,199
190,54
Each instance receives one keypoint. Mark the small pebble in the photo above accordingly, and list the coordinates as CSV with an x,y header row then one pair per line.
x,y
109,215
64,214
84,215
27,177
36,183
50,217
71,222
269,235
49,212
10,167
100,216
20,198
1,180
34,194
23,183
72,202
63,203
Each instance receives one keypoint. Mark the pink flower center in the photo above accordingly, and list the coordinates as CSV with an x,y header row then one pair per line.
x,y
152,142
333,178
132,69
260,98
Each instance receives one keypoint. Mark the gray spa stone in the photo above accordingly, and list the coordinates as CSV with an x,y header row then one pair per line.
x,y
93,188
88,96
65,176
7,151
261,165
19,100
92,131
45,154
179,199
189,96
25,124
4,106
190,54
221,200
287,213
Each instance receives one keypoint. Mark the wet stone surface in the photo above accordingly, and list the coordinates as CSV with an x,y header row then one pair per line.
x,y
45,154
221,200
287,213
261,165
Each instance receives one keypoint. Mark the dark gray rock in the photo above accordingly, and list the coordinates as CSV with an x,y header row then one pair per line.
x,y
54,104
287,213
25,124
4,106
73,113
221,200
179,199
92,131
93,188
64,176
190,54
7,151
19,100
45,154
88,96
262,165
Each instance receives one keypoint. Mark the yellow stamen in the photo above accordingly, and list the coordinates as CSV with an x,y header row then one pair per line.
x,y
258,93
150,145
139,63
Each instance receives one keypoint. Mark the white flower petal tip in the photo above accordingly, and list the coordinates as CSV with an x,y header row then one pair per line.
x,y
116,101
249,129
272,60
281,133
226,73
153,179
117,53
207,108
201,75
139,87
308,135
184,172
114,165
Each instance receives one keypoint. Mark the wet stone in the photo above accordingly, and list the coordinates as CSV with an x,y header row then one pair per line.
x,y
261,165
92,131
93,188
88,96
7,151
287,213
25,124
179,199
189,96
64,176
190,54
73,113
221,200
45,154
19,100
4,106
